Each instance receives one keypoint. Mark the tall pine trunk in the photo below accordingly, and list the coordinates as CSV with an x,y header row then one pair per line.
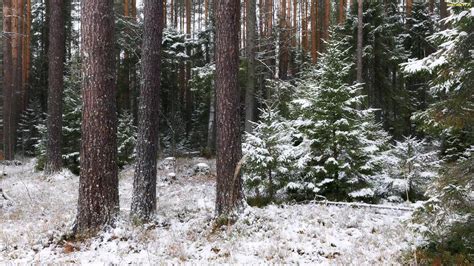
x,y
98,202
57,48
8,87
360,28
229,184
250,54
144,183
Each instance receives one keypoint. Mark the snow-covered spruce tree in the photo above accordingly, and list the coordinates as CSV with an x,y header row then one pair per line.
x,y
126,138
344,137
450,69
410,166
28,134
71,131
271,154
446,219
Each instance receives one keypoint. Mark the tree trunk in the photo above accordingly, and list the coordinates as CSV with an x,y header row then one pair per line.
x,y
250,53
443,12
360,28
144,183
211,125
229,185
57,48
98,202
326,22
8,88
314,32
409,7
283,56
342,12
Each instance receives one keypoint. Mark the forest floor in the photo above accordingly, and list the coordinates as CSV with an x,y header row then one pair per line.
x,y
42,208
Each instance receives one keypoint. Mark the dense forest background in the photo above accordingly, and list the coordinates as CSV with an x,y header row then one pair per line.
x,y
345,100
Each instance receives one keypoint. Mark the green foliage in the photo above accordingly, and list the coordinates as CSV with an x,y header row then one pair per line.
x,y
344,138
447,218
270,152
28,133
127,139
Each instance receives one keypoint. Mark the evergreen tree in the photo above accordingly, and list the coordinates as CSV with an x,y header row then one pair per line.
x,y
343,138
271,157
28,133
411,165
127,139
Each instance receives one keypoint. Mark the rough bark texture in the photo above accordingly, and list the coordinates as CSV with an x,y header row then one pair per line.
x,y
98,202
144,183
443,12
409,7
57,48
250,54
284,56
314,32
229,153
2,156
360,28
341,16
8,87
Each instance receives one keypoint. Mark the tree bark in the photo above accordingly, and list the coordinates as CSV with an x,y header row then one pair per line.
x,y
342,12
8,88
409,7
57,48
144,183
229,185
284,42
98,202
360,28
314,32
250,53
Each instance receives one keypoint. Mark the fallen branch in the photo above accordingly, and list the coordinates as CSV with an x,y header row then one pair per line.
x,y
4,196
362,205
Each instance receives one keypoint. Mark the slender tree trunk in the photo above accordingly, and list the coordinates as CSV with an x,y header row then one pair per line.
x,y
57,48
360,28
229,184
342,12
144,183
326,22
443,12
409,7
2,40
284,53
8,87
304,22
314,32
211,125
250,53
187,91
431,6
98,202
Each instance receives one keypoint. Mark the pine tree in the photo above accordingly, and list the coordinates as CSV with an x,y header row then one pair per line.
x,y
229,153
126,138
98,202
144,183
343,138
28,133
271,157
411,165
56,55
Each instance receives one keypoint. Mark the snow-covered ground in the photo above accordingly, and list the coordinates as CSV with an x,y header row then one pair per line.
x,y
43,208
